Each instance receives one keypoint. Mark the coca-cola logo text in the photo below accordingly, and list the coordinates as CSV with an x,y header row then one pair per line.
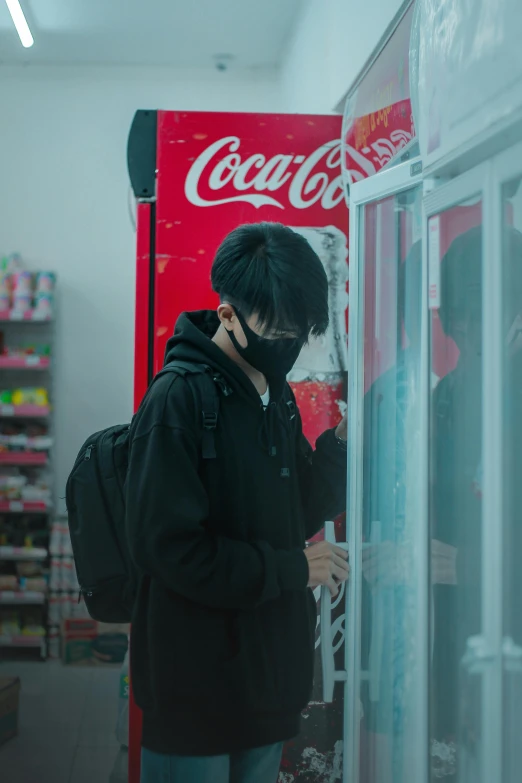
x,y
307,182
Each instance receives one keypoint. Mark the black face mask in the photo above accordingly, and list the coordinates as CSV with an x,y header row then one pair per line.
x,y
274,358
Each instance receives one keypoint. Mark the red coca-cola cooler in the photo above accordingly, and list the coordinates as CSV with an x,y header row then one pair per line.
x,y
196,176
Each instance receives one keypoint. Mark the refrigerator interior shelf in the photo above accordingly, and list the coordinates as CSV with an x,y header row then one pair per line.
x,y
22,553
24,411
24,362
29,598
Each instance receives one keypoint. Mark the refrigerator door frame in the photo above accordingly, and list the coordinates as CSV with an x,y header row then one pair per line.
x,y
505,167
400,178
487,651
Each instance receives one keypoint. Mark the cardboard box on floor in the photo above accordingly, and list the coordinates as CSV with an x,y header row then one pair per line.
x,y
9,701
86,642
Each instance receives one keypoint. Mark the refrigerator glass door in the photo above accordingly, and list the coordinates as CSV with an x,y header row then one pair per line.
x,y
388,558
464,542
509,195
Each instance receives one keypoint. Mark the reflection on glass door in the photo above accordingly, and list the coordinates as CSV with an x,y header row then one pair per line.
x,y
455,264
388,687
512,483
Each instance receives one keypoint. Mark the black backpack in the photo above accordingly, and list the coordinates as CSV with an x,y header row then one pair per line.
x,y
95,497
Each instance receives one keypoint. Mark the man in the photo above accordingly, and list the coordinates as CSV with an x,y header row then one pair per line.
x,y
223,629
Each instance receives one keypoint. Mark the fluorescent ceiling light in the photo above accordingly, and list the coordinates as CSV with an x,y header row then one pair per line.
x,y
20,22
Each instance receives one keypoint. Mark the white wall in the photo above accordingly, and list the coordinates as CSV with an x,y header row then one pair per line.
x,y
332,42
64,206
64,187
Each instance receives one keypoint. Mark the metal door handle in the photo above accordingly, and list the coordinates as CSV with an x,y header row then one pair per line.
x,y
330,674
511,655
477,655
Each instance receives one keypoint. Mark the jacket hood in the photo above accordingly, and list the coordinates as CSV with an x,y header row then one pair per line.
x,y
192,342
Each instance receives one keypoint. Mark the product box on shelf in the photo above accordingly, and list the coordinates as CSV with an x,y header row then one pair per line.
x,y
9,702
86,642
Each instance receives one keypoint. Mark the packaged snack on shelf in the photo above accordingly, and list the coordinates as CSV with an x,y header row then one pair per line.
x,y
10,264
30,396
12,482
55,579
32,626
43,305
54,609
25,351
45,283
37,489
55,541
66,542
29,568
9,623
8,582
5,291
53,642
65,605
22,291
60,543
18,436
22,283
33,584
69,579
31,485
86,642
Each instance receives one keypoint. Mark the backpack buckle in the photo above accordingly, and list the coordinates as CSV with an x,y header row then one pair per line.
x,y
210,421
222,385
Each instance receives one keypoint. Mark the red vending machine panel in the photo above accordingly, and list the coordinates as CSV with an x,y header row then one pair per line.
x,y
198,176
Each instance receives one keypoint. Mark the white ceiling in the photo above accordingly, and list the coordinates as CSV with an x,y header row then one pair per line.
x,y
187,33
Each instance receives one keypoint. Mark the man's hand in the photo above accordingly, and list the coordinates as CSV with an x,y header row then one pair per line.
x,y
327,565
342,430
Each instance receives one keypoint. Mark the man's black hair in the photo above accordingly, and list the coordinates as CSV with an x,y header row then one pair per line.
x,y
271,271
461,279
461,275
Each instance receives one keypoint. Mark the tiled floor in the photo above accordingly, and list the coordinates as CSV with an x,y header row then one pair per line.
x,y
67,726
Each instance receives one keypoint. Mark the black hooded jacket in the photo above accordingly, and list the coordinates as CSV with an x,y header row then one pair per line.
x,y
223,631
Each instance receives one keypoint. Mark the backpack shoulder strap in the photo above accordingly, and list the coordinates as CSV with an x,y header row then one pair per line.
x,y
209,400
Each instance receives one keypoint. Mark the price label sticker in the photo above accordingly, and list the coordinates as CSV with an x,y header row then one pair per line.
x,y
7,410
16,507
17,315
434,262
32,361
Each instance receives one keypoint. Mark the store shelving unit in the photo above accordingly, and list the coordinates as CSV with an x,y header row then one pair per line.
x,y
26,520
23,316
24,411
22,553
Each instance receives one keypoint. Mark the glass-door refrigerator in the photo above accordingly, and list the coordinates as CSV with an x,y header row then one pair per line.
x,y
196,176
